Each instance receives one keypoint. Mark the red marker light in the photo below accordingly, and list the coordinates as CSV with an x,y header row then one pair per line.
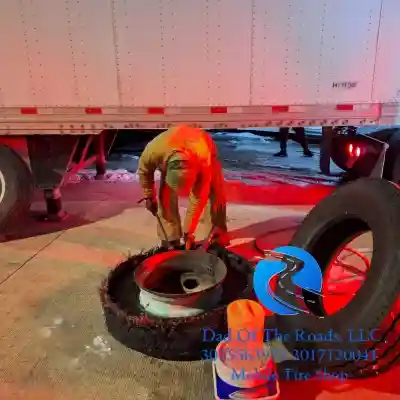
x,y
350,149
354,151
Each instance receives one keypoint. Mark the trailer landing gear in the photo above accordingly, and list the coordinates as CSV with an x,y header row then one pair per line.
x,y
54,210
55,158
100,158
325,153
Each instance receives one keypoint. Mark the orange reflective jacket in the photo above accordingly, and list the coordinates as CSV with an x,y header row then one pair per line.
x,y
193,142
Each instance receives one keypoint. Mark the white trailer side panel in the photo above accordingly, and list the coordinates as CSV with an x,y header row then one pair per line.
x,y
176,53
387,71
48,53
349,50
57,53
286,51
179,52
302,48
15,75
140,52
229,43
92,40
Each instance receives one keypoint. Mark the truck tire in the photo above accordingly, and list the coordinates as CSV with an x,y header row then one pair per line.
x,y
395,173
392,162
368,204
16,189
179,339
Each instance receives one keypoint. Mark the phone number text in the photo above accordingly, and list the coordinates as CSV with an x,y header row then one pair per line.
x,y
314,355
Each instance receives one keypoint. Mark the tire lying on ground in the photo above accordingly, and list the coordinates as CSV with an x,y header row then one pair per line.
x,y
169,338
365,205
16,188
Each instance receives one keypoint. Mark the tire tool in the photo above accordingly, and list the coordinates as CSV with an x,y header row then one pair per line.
x,y
207,241
170,247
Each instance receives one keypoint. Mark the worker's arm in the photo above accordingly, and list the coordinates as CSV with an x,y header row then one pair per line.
x,y
148,164
197,200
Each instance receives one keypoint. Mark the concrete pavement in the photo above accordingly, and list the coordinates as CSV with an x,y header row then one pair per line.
x,y
53,343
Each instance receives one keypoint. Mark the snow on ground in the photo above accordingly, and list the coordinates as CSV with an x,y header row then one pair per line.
x,y
317,130
245,157
253,175
251,153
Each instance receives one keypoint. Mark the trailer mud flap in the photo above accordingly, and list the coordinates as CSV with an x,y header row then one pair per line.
x,y
371,157
379,156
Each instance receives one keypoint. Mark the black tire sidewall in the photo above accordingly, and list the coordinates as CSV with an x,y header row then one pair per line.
x,y
18,187
395,174
376,202
179,338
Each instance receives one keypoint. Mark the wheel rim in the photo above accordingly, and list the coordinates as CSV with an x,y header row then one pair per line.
x,y
161,281
347,273
2,187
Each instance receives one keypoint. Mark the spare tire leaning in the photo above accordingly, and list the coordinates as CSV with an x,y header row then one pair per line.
x,y
169,338
365,205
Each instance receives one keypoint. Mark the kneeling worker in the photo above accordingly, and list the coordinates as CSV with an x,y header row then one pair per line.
x,y
188,161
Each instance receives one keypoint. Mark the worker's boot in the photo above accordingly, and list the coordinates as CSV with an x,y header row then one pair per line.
x,y
308,153
282,153
175,244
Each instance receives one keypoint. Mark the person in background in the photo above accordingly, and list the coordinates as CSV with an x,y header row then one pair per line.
x,y
188,161
300,138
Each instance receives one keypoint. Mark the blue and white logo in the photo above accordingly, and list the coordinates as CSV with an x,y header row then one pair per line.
x,y
307,278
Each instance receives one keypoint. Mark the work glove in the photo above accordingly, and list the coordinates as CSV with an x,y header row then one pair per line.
x,y
152,206
189,241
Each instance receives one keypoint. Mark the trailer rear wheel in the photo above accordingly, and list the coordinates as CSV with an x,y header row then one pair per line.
x,y
16,189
